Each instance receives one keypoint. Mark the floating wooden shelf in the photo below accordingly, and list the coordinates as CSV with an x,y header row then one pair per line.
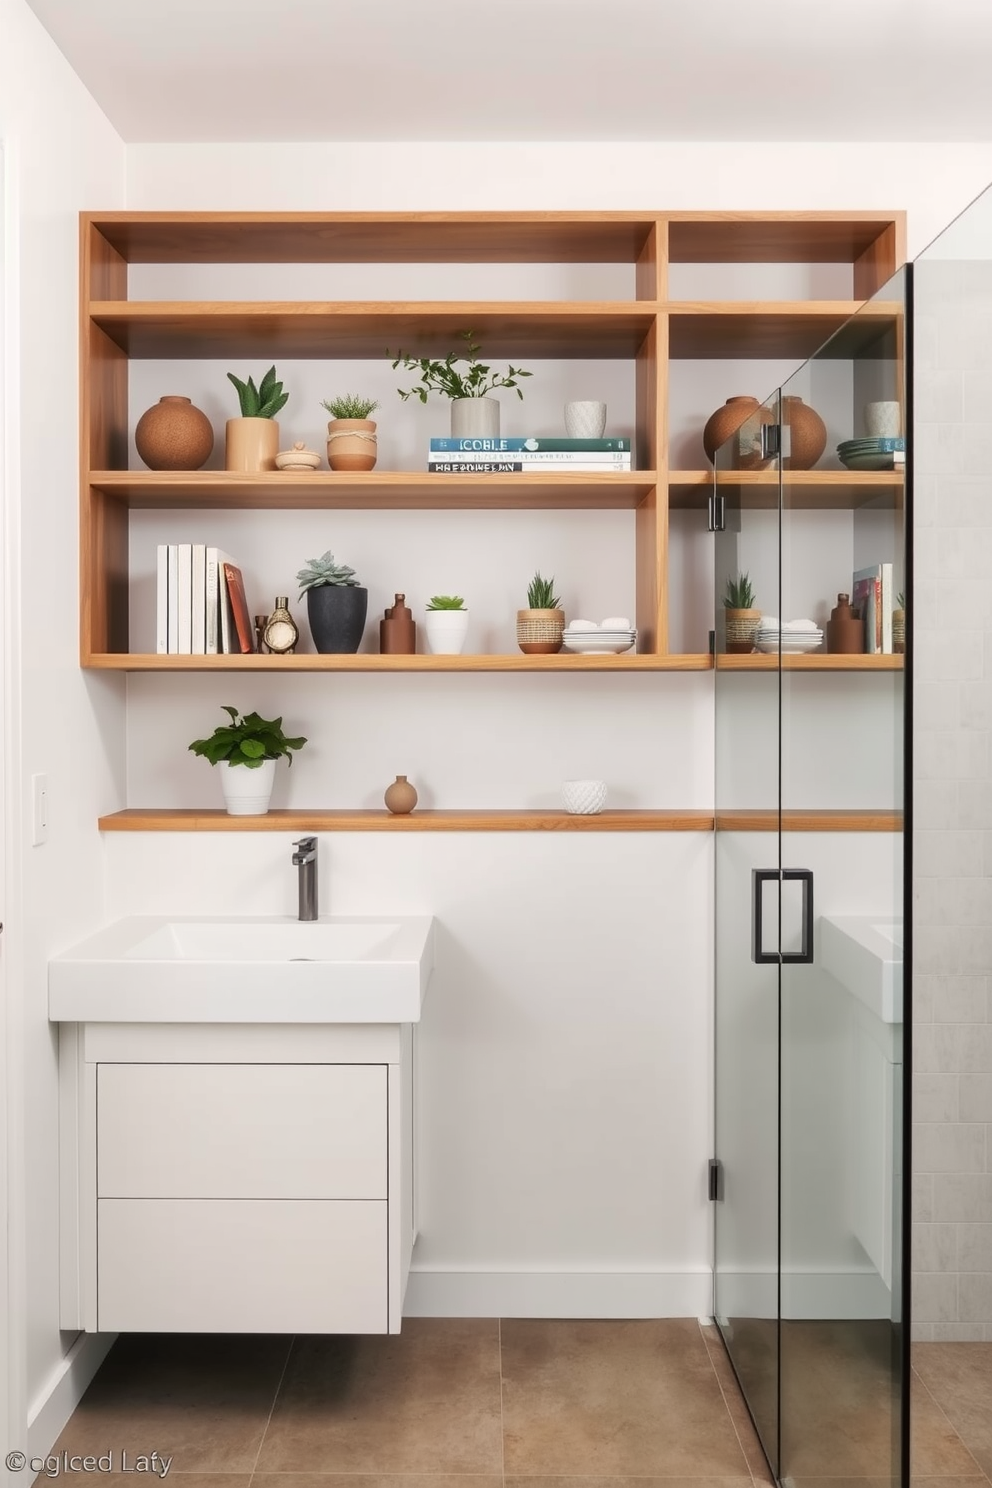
x,y
373,662
755,328
134,820
809,821
803,490
376,490
812,661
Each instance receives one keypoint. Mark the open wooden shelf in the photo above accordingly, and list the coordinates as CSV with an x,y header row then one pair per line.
x,y
809,821
135,820
375,490
804,490
370,661
811,661
780,237
757,328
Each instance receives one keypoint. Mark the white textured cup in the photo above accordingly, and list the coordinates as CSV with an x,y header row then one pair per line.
x,y
585,420
583,797
883,420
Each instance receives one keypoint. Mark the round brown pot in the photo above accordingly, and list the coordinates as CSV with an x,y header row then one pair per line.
x,y
400,797
174,435
808,434
351,444
251,445
744,415
540,632
742,627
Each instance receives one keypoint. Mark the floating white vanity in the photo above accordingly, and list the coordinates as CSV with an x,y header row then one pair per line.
x,y
238,1123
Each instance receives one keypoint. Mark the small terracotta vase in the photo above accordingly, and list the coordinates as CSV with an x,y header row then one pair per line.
x,y
400,797
351,444
808,434
251,445
174,435
398,630
845,629
742,414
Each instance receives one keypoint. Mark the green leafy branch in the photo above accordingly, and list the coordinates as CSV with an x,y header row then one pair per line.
x,y
444,378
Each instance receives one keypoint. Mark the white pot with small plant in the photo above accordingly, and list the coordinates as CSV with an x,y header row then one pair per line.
x,y
352,443
474,415
446,620
247,750
541,627
742,619
252,441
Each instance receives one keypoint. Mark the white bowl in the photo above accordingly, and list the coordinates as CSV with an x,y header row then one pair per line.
x,y
583,797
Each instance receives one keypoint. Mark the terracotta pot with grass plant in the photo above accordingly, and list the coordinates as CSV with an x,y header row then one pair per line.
x,y
352,442
541,627
742,619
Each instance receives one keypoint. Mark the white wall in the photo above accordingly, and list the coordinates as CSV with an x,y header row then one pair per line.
x,y
60,155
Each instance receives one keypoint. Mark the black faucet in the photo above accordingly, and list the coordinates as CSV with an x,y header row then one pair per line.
x,y
305,858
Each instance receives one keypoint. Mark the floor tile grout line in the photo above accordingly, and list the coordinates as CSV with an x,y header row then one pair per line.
x,y
502,1429
940,1408
268,1419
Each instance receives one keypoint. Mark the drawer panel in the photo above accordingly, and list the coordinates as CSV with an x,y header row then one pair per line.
x,y
241,1131
248,1266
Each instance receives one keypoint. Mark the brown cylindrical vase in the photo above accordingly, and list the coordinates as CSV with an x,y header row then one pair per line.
x,y
174,435
398,630
744,415
845,633
251,445
351,444
807,434
400,797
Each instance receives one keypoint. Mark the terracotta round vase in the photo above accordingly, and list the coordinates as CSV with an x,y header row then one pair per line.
x,y
174,435
351,444
743,415
251,445
400,797
808,434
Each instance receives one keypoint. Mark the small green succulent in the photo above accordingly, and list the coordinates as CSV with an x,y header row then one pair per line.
x,y
324,570
247,741
740,593
263,401
541,594
446,602
350,406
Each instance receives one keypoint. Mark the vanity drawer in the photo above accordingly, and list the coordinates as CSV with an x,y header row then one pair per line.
x,y
241,1131
241,1266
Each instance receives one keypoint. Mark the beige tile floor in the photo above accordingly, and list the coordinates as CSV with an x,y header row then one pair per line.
x,y
483,1403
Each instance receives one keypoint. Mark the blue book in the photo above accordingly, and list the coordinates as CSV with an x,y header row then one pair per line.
x,y
533,443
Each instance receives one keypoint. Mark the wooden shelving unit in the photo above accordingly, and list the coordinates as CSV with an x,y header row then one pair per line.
x,y
649,330
803,490
371,661
812,661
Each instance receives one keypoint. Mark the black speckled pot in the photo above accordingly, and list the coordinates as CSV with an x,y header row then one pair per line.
x,y
337,617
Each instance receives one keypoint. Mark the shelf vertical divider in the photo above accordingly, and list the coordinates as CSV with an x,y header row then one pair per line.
x,y
103,445
651,517
876,265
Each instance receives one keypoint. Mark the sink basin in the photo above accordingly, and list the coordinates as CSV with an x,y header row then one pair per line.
x,y
864,954
154,969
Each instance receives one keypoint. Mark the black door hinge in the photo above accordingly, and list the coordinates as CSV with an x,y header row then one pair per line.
x,y
716,1179
771,440
716,513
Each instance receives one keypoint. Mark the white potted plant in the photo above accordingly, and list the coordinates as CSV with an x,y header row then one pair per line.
x,y
247,750
252,441
446,620
351,436
473,413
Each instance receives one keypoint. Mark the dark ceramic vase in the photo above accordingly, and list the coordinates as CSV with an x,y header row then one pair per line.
x,y
337,617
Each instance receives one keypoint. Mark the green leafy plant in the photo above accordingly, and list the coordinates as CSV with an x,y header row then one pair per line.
x,y
443,377
900,600
247,741
541,594
263,401
446,602
740,593
324,570
350,406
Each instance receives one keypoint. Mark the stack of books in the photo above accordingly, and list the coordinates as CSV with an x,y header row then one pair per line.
x,y
498,456
201,609
872,597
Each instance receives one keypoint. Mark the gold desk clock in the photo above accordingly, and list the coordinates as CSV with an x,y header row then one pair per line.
x,y
281,632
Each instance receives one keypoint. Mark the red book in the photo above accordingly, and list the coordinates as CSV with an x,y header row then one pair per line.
x,y
239,607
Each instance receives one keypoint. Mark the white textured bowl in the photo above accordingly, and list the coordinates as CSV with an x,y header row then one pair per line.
x,y
583,797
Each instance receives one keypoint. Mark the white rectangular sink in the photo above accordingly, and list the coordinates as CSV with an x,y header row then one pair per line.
x,y
155,969
864,954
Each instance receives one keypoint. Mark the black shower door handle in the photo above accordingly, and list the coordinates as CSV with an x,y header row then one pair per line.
x,y
761,876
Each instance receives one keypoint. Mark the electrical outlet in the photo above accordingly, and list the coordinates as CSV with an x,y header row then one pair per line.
x,y
39,809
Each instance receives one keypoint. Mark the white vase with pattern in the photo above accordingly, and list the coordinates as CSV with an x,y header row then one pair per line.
x,y
584,420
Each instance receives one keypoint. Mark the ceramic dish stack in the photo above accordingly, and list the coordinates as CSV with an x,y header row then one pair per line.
x,y
791,637
607,639
872,453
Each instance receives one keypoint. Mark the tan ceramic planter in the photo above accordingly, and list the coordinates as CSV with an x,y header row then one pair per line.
x,y
251,445
898,631
540,632
351,444
742,626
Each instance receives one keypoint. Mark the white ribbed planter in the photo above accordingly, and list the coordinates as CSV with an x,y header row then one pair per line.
x,y
247,792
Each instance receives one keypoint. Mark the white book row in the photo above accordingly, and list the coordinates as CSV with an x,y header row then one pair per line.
x,y
193,606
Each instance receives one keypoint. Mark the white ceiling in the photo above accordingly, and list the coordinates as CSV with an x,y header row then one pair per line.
x,y
243,70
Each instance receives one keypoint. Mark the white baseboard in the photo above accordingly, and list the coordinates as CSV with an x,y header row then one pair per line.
x,y
63,1390
558,1294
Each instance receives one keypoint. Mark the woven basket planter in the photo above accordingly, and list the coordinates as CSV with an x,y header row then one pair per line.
x,y
742,628
539,632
